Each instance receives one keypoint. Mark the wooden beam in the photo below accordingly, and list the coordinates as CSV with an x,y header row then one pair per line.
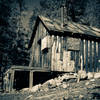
x,y
76,60
31,79
91,67
52,53
81,55
98,56
61,54
12,80
86,52
95,57
83,44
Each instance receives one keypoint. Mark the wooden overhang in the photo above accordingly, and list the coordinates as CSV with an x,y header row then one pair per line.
x,y
69,29
26,68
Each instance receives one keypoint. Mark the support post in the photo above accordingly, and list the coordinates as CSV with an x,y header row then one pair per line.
x,y
99,56
81,55
83,44
12,80
86,52
30,79
95,55
90,69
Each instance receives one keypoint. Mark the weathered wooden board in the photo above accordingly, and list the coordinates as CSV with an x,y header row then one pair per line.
x,y
46,42
90,68
40,42
68,64
95,55
53,57
73,43
86,52
76,60
99,56
30,79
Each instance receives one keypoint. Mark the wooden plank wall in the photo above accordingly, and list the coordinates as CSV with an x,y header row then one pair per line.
x,y
36,56
87,59
61,57
89,55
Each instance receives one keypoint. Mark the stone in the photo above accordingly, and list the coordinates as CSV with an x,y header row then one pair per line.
x,y
87,83
81,97
97,75
65,76
90,75
82,74
35,88
51,82
46,89
58,84
24,90
64,85
30,97
75,75
92,80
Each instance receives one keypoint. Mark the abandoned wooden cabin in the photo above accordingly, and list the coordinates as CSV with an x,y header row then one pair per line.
x,y
57,48
66,48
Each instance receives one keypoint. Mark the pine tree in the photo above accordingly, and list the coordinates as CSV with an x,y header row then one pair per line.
x,y
13,41
92,13
5,32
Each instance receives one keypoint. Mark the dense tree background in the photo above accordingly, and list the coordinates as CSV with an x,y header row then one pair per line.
x,y
15,35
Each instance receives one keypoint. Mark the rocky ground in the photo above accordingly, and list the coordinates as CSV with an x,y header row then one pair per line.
x,y
63,87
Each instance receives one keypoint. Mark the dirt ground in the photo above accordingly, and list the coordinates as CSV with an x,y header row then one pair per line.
x,y
68,89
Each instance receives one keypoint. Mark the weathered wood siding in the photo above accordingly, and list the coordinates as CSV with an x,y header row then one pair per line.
x,y
63,53
38,58
61,57
89,55
86,55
